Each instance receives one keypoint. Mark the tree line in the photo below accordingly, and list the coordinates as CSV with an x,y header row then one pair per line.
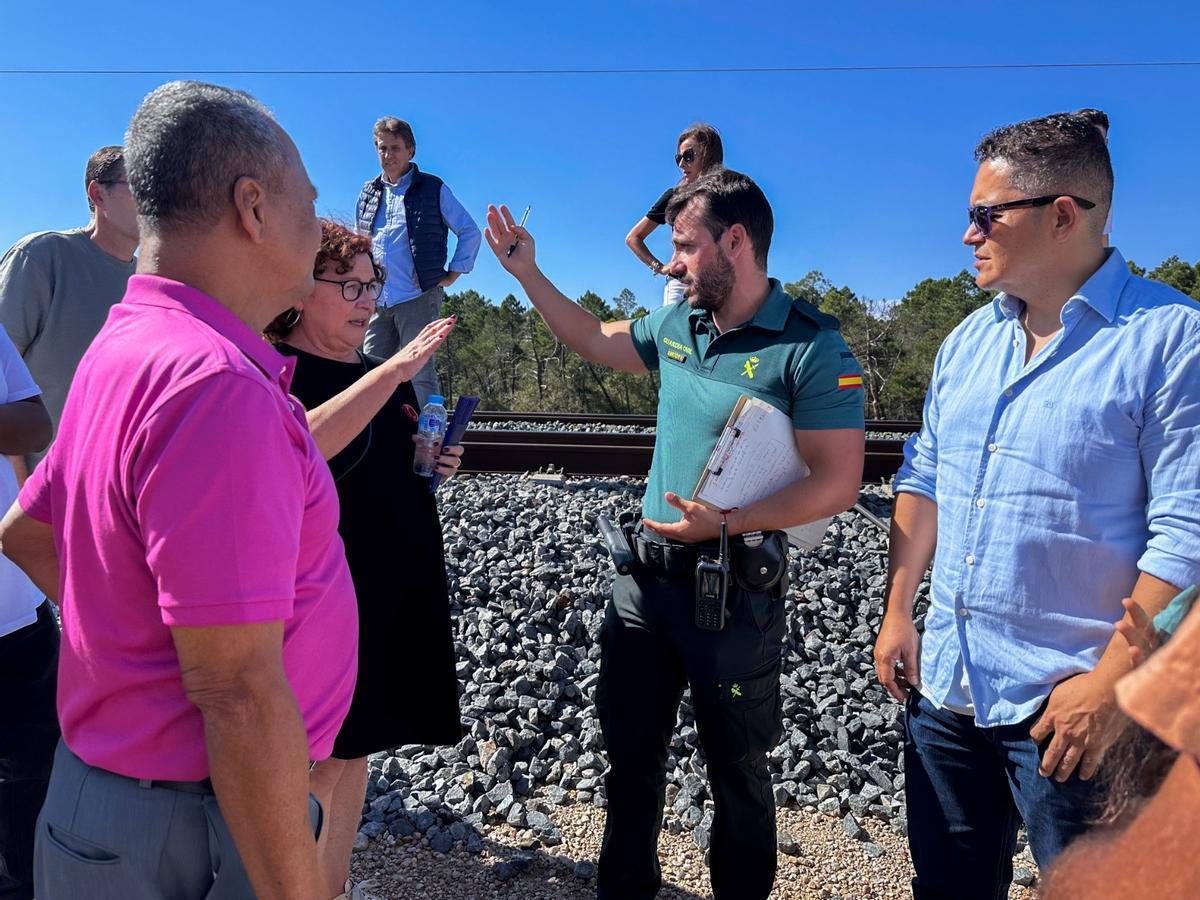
x,y
504,353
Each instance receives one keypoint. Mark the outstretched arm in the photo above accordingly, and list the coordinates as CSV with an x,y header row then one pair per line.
x,y
605,343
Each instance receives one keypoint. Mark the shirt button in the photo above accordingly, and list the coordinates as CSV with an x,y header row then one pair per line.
x,y
1008,393
970,559
1016,343
962,612
992,448
979,503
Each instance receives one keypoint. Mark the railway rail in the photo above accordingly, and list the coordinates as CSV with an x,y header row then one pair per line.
x,y
606,453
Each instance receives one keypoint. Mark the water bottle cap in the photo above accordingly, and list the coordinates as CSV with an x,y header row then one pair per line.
x,y
436,398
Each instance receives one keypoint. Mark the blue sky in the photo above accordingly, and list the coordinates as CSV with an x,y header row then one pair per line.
x,y
868,173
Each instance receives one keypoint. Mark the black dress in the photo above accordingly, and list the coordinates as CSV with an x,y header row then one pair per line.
x,y
407,690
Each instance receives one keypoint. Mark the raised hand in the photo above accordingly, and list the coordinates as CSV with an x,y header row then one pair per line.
x,y
502,233
411,358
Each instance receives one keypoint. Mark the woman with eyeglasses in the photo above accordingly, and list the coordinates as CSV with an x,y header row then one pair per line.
x,y
361,412
697,151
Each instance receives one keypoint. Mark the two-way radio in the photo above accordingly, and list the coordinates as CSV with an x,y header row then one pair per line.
x,y
712,586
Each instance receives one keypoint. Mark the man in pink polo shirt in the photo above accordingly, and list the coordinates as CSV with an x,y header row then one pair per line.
x,y
187,524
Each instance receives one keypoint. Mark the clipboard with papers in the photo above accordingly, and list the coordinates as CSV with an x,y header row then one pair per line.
x,y
754,457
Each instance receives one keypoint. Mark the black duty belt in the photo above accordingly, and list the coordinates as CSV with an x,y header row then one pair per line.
x,y
671,559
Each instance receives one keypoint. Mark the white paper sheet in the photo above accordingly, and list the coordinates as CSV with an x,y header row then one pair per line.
x,y
755,457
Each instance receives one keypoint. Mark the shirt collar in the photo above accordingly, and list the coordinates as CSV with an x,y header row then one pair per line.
x,y
405,179
153,290
772,315
1101,292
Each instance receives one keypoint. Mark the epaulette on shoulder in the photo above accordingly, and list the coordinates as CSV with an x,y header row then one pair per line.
x,y
823,321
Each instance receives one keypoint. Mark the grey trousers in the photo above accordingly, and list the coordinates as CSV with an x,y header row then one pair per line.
x,y
392,327
103,836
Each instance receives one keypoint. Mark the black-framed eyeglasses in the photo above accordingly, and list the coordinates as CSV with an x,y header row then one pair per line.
x,y
124,181
352,288
687,156
981,216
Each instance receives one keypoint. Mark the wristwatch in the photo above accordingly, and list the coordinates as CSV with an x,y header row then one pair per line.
x,y
656,267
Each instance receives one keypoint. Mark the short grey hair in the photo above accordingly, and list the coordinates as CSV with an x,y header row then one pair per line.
x,y
187,145
1060,154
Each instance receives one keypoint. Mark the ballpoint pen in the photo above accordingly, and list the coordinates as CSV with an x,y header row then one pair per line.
x,y
521,224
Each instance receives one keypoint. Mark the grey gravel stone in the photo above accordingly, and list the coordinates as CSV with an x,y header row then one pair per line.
x,y
1023,876
585,870
787,844
528,579
853,829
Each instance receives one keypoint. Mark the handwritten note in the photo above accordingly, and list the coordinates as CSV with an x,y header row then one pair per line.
x,y
755,457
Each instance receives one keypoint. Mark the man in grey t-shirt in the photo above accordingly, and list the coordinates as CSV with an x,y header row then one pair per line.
x,y
56,287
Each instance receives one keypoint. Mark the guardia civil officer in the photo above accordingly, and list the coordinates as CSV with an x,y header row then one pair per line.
x,y
739,333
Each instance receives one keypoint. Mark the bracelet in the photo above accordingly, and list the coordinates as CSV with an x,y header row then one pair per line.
x,y
656,267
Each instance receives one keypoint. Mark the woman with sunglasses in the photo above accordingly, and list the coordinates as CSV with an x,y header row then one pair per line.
x,y
359,416
697,151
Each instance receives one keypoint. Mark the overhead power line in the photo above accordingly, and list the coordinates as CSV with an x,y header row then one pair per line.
x,y
671,70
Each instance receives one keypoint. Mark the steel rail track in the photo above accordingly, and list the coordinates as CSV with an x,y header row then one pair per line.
x,y
641,421
608,453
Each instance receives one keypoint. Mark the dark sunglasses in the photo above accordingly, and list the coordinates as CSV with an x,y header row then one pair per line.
x,y
687,156
352,289
981,216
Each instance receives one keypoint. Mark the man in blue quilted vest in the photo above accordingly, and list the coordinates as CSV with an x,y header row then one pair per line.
x,y
409,215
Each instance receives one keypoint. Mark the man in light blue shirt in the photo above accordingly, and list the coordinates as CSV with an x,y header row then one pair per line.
x,y
1057,472
408,215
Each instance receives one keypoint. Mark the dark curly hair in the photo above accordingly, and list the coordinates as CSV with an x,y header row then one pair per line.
x,y
339,248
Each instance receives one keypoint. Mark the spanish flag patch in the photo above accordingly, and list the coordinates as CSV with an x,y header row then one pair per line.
x,y
845,382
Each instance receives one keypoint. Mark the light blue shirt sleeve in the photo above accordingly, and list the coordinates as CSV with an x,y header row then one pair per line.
x,y
469,236
918,472
1170,456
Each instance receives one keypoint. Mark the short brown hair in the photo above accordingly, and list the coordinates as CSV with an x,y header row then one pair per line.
x,y
397,127
728,198
339,248
106,165
708,139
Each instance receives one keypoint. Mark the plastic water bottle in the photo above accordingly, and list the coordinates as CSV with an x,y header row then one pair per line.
x,y
431,428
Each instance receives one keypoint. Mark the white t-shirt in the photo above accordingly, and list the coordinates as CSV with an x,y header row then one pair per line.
x,y
19,599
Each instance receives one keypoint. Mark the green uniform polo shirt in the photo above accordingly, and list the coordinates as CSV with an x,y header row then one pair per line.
x,y
790,355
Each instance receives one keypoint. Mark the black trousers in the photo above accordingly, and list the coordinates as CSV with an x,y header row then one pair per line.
x,y
650,649
28,736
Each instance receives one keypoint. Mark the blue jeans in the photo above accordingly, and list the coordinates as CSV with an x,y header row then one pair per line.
x,y
968,788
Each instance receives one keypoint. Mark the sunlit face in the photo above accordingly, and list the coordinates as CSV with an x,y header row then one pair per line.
x,y
691,159
395,155
297,238
699,261
1004,259
331,321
